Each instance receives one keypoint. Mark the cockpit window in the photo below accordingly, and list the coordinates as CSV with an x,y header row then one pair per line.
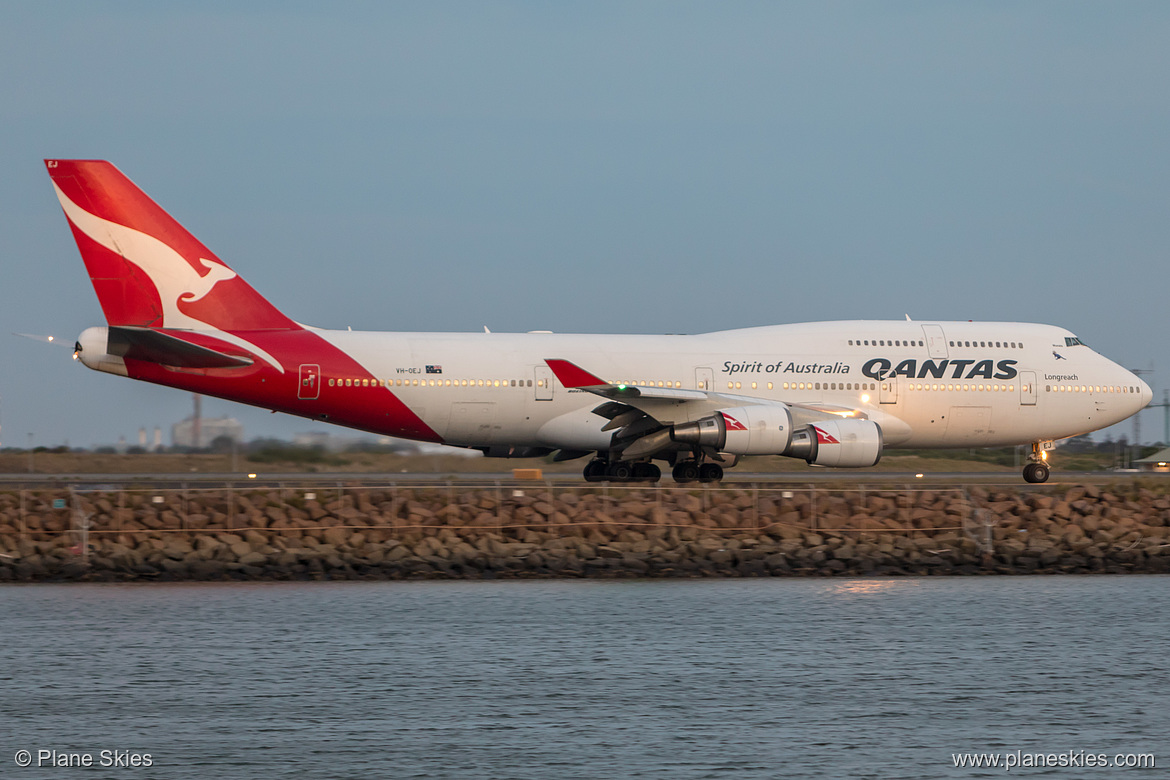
x,y
1073,341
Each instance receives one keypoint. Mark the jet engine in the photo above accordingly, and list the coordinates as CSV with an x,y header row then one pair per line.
x,y
853,444
768,430
747,430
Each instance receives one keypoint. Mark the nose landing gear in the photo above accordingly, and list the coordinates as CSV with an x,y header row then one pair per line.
x,y
1037,470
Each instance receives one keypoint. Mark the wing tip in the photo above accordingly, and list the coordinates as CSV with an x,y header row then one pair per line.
x,y
572,375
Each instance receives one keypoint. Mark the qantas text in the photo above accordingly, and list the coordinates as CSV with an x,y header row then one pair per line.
x,y
880,368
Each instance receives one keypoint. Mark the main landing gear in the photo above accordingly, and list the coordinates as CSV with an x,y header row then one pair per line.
x,y
693,471
598,470
1037,470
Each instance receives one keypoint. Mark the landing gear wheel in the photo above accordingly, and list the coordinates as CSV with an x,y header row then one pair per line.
x,y
620,472
686,471
710,472
595,470
647,472
1036,473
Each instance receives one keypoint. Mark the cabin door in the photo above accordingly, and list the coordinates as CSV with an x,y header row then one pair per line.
x,y
936,341
309,388
888,390
543,384
1027,388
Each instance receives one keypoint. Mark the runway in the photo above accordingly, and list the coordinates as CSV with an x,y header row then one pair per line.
x,y
736,479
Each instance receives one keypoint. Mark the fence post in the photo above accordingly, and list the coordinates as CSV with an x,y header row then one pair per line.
x,y
499,509
813,520
756,504
81,522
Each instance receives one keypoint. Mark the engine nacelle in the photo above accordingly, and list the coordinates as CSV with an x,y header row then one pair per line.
x,y
746,430
842,443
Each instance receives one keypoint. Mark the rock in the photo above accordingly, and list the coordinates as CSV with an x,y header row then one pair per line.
x,y
253,559
336,536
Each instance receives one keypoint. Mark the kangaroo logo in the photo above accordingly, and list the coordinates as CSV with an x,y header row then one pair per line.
x,y
175,279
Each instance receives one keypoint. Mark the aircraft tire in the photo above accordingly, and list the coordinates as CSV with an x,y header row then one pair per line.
x,y
647,472
1036,473
595,471
620,472
686,471
710,472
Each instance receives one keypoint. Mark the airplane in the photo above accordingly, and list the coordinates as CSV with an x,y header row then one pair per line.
x,y
834,394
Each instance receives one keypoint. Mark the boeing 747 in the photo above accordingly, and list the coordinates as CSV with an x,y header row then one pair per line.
x,y
830,393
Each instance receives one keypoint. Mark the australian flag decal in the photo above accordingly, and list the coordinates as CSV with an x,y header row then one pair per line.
x,y
434,369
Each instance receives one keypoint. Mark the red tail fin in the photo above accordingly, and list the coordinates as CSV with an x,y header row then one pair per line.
x,y
146,268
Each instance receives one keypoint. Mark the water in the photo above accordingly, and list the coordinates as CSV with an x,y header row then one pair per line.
x,y
574,679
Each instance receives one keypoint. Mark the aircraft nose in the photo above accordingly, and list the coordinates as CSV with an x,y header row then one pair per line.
x,y
1147,393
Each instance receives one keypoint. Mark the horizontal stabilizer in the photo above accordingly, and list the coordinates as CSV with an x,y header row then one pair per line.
x,y
155,346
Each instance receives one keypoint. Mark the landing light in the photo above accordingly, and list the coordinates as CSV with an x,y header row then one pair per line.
x,y
918,476
1043,456
251,476
865,398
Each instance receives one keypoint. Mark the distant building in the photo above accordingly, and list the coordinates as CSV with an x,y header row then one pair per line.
x,y
1159,461
184,434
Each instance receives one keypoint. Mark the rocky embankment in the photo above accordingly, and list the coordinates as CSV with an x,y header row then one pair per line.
x,y
521,532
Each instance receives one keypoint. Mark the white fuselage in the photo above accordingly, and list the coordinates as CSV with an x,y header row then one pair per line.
x,y
935,384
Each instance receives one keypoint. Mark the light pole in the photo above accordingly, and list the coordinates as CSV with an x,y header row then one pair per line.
x,y
30,453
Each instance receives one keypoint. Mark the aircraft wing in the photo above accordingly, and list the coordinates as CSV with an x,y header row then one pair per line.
x,y
640,415
647,398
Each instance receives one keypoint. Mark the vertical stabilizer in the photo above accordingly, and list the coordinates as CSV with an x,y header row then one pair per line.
x,y
147,270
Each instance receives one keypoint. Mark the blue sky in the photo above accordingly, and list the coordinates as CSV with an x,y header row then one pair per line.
x,y
593,167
